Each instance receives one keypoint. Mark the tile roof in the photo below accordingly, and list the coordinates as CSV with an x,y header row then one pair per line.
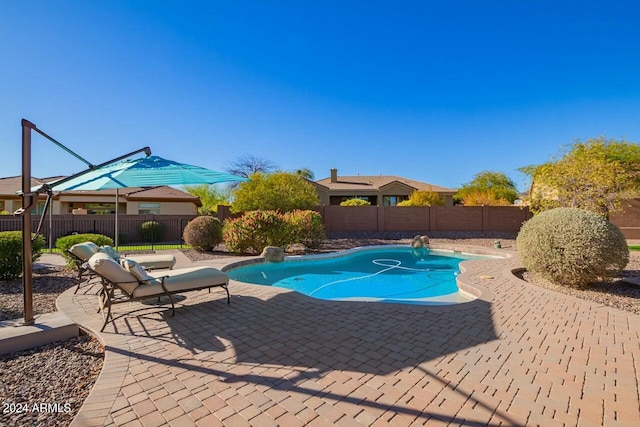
x,y
376,182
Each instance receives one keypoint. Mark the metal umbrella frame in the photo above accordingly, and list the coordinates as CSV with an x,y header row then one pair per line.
x,y
149,171
120,172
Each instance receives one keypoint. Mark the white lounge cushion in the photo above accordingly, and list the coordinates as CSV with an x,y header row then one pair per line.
x,y
111,252
107,267
136,269
182,279
152,262
85,250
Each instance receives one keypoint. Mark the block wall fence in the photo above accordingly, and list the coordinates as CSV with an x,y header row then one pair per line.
x,y
507,219
413,218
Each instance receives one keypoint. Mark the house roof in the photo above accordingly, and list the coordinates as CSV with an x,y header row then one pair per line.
x,y
11,185
377,183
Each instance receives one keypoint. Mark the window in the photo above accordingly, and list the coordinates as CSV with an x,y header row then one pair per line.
x,y
94,208
38,209
392,200
149,208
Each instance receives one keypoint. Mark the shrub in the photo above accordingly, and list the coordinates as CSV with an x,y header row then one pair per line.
x,y
65,243
11,253
151,231
572,246
280,191
355,202
478,197
253,231
203,233
305,227
423,198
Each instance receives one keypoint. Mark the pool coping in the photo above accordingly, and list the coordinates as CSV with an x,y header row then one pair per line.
x,y
467,269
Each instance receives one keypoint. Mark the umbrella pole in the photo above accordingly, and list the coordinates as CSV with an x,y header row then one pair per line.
x,y
27,202
117,203
50,227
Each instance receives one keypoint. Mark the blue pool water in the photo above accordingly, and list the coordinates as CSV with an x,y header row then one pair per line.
x,y
387,274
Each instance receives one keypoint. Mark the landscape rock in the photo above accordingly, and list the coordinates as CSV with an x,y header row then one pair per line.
x,y
273,254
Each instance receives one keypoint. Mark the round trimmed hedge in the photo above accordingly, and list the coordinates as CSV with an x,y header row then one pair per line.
x,y
203,233
11,253
572,247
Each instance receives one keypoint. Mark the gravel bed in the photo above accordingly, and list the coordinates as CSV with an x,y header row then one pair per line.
x,y
46,386
47,285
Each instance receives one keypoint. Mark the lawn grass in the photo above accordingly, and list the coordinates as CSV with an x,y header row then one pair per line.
x,y
634,248
132,248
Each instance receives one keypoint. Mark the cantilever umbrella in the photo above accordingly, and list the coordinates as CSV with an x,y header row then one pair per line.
x,y
143,172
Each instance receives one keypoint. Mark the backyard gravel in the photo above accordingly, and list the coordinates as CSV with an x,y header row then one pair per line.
x,y
61,375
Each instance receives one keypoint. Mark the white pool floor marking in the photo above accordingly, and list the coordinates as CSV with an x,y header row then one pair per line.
x,y
379,262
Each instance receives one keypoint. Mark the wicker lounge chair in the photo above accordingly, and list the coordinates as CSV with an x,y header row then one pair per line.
x,y
81,252
120,285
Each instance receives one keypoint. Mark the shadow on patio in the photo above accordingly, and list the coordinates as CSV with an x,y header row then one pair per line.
x,y
292,343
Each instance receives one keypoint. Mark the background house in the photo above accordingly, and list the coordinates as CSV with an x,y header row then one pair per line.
x,y
382,190
161,200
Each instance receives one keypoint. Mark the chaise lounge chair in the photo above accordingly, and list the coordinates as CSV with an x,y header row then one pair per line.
x,y
132,283
81,252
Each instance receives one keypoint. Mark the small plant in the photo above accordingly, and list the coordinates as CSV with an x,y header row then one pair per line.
x,y
305,227
65,243
151,231
355,202
255,230
11,253
572,247
203,233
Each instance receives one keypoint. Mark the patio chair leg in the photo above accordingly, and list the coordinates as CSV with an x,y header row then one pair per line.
x,y
173,307
106,319
79,282
226,288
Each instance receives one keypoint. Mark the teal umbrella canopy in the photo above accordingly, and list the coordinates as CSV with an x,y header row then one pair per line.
x,y
144,172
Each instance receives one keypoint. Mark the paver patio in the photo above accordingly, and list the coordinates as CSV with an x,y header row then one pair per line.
x,y
519,355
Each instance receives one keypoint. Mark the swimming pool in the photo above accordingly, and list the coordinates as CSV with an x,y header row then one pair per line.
x,y
398,274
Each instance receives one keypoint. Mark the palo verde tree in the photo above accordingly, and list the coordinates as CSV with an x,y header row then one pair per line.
x,y
595,175
281,191
488,188
210,197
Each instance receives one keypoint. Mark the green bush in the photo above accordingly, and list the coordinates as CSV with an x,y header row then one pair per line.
x,y
355,202
572,247
203,233
65,243
151,231
305,227
253,231
11,253
282,191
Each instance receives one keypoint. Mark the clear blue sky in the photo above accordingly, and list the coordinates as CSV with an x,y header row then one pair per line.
x,y
433,91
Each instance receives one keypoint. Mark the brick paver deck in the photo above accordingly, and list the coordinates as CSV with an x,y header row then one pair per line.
x,y
519,355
